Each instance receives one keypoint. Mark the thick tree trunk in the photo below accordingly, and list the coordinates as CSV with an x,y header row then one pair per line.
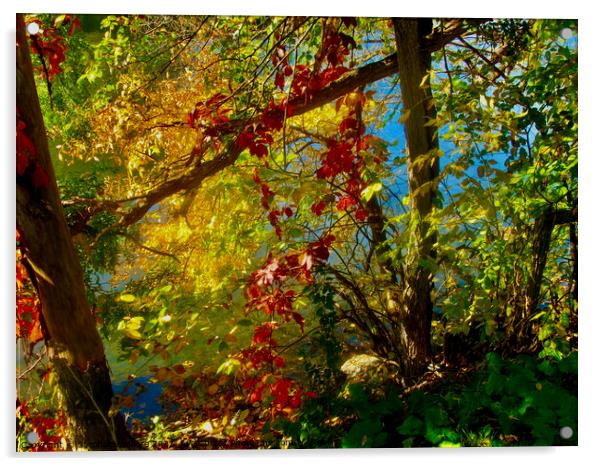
x,y
75,347
423,170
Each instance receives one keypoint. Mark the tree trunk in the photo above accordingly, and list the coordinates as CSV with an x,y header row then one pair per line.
x,y
574,258
423,169
75,348
542,235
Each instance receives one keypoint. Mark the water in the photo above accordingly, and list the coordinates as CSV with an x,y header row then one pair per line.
x,y
145,395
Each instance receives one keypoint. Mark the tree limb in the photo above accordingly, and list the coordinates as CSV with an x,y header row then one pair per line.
x,y
351,80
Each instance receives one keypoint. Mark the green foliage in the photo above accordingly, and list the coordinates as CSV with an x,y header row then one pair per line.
x,y
509,402
322,352
517,402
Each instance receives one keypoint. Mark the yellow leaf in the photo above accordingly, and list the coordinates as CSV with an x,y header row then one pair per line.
x,y
127,298
133,333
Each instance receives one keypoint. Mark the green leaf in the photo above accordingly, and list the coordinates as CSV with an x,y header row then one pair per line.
x,y
165,289
127,298
411,426
223,346
447,444
370,190
229,367
135,322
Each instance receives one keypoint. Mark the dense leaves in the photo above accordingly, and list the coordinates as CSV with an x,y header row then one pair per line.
x,y
244,205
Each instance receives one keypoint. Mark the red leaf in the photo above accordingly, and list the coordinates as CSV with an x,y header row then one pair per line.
x,y
300,320
328,240
279,80
259,150
244,139
22,163
190,119
295,400
361,214
348,124
332,74
279,361
346,202
321,252
263,334
319,249
274,216
257,394
74,24
267,195
25,147
318,207
253,291
280,391
256,176
288,211
334,57
325,171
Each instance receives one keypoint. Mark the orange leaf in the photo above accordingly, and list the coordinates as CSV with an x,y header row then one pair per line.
x,y
212,389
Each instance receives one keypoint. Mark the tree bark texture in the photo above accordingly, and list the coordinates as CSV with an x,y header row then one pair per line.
x,y
542,235
422,153
75,348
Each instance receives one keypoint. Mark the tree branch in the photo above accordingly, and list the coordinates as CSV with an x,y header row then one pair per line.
x,y
351,80
148,248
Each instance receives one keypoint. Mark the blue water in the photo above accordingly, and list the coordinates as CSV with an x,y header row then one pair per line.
x,y
146,397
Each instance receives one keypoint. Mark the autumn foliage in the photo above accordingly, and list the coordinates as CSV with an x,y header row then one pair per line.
x,y
251,222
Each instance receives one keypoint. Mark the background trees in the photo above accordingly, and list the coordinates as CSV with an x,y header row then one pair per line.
x,y
240,204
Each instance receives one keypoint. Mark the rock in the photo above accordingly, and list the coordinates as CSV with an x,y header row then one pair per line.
x,y
363,367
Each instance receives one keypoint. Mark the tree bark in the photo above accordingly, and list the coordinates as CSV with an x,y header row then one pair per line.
x,y
422,152
544,226
75,348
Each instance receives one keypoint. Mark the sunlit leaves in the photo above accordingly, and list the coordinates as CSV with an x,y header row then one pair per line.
x,y
132,327
127,298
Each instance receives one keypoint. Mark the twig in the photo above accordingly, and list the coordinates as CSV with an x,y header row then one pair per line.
x,y
148,248
500,73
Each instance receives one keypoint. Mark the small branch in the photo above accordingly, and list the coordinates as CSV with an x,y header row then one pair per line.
x,y
175,57
477,52
22,375
148,248
38,48
285,348
353,79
